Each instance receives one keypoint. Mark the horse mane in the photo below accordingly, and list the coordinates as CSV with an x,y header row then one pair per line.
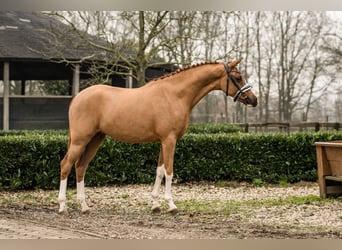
x,y
184,69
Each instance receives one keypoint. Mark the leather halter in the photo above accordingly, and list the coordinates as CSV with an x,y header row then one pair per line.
x,y
240,90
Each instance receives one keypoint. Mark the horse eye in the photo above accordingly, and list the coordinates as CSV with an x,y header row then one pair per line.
x,y
239,79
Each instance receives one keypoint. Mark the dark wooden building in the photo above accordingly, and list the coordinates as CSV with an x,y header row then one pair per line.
x,y
23,36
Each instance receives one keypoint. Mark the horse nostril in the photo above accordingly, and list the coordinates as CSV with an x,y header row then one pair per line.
x,y
252,101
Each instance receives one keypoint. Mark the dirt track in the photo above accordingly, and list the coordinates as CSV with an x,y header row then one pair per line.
x,y
207,212
22,229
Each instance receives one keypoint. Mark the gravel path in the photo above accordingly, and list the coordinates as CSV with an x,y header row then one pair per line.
x,y
206,211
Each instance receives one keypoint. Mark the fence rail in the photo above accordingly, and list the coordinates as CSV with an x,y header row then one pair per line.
x,y
289,127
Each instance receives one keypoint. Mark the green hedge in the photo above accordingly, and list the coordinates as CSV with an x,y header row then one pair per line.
x,y
198,128
213,128
31,159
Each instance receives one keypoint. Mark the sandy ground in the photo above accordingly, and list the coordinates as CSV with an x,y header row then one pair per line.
x,y
207,211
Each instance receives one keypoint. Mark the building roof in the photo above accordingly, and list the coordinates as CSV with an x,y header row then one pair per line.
x,y
26,35
34,41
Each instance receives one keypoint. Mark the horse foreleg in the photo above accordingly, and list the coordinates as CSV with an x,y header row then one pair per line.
x,y
168,156
168,193
160,172
81,197
62,197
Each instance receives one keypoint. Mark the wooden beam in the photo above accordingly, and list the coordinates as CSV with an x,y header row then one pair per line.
x,y
334,178
6,96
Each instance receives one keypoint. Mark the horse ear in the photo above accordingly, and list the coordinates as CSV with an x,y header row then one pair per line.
x,y
234,63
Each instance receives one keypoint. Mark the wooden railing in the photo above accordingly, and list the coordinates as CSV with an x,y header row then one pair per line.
x,y
289,127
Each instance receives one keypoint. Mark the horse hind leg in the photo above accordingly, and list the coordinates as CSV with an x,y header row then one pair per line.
x,y
72,155
81,167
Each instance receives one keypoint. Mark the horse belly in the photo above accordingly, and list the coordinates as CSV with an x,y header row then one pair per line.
x,y
131,133
130,125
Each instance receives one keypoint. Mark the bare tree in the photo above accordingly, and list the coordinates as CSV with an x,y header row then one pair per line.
x,y
264,62
300,32
182,35
123,42
287,54
150,25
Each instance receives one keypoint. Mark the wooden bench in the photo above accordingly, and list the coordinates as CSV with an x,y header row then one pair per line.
x,y
329,166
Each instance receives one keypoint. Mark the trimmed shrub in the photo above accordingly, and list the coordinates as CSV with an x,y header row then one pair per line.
x,y
31,159
205,128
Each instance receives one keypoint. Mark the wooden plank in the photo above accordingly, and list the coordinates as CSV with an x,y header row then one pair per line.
x,y
333,178
337,143
334,189
322,162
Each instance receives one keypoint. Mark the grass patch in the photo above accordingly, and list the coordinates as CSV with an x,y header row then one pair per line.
x,y
208,207
36,198
124,196
291,200
230,207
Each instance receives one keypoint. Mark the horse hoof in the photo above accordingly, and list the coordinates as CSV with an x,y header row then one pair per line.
x,y
86,212
63,213
173,211
156,210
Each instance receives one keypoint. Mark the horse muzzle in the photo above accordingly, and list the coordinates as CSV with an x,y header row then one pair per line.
x,y
253,102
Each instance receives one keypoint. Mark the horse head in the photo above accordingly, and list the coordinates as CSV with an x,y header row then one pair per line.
x,y
241,91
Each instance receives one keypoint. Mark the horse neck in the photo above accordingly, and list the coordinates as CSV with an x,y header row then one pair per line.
x,y
199,82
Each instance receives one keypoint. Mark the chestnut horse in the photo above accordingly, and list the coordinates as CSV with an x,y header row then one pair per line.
x,y
158,111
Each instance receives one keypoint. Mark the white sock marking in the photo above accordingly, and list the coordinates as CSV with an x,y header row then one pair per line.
x,y
168,194
80,190
155,193
62,195
81,196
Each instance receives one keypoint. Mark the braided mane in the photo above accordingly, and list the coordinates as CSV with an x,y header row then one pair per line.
x,y
184,69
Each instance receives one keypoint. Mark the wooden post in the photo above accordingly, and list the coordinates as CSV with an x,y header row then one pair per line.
x,y
322,170
226,108
336,126
129,79
23,87
246,127
76,80
6,96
